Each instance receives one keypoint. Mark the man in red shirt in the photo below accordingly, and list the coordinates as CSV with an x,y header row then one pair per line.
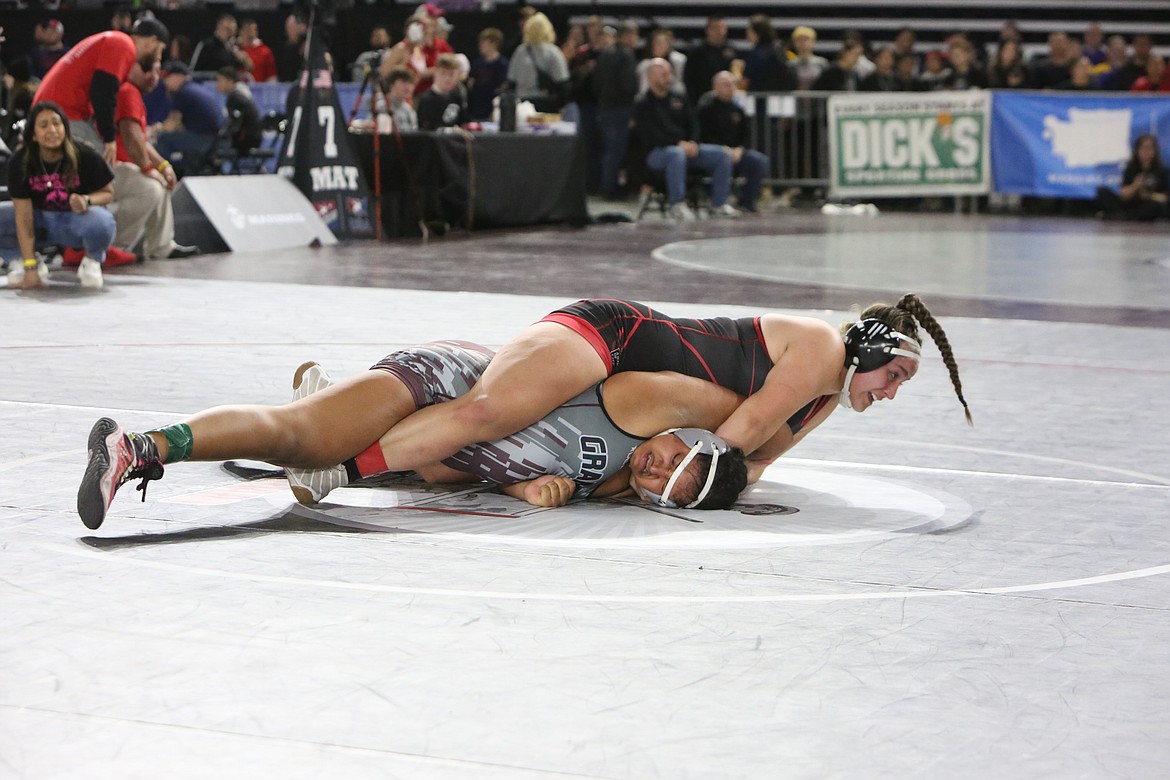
x,y
85,82
143,179
263,62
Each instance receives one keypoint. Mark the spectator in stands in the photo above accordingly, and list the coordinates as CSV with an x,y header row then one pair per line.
x,y
122,20
291,57
1145,185
513,41
1124,77
765,67
964,72
399,93
617,87
370,60
59,190
445,103
723,123
219,49
1157,78
864,65
1093,47
190,129
934,71
885,77
419,50
50,38
538,69
665,123
263,61
1010,31
242,115
842,75
906,70
1080,77
707,58
85,83
1007,70
575,39
807,64
904,42
661,46
1116,56
582,61
180,49
1056,67
489,73
143,180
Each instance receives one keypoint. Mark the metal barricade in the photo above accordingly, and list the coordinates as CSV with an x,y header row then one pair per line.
x,y
792,129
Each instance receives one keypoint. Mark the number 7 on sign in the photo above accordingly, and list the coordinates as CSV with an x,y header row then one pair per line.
x,y
327,119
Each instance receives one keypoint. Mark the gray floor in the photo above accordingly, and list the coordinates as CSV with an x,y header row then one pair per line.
x,y
903,596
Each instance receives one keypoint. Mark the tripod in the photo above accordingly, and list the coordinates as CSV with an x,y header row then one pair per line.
x,y
376,92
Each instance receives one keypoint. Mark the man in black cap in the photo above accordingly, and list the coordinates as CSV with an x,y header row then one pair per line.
x,y
85,82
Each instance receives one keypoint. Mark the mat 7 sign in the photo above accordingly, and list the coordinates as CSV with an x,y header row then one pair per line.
x,y
909,144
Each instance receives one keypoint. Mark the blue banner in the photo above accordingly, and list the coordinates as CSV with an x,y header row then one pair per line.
x,y
1066,145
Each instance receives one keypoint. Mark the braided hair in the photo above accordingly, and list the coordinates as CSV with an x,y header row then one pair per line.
x,y
905,318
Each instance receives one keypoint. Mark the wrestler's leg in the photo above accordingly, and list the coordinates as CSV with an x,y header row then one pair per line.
x,y
542,368
318,430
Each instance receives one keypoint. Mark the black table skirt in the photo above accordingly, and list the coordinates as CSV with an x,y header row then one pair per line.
x,y
485,180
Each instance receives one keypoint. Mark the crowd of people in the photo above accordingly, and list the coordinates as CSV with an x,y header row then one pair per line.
x,y
644,105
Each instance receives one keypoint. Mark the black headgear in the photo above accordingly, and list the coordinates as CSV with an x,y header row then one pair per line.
x,y
870,344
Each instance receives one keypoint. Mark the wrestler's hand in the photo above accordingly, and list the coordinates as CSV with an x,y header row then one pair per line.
x,y
549,491
110,153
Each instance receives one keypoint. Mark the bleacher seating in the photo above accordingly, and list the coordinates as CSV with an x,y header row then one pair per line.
x,y
879,20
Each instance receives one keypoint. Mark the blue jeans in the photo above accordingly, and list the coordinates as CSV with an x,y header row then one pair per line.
x,y
94,230
615,137
713,160
751,166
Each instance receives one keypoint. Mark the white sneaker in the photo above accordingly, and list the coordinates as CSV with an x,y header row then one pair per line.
x,y
308,379
310,486
16,273
90,273
727,211
682,212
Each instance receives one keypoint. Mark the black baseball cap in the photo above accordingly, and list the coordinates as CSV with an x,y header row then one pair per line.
x,y
148,26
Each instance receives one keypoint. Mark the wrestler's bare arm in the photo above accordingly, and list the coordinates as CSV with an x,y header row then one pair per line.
x,y
807,368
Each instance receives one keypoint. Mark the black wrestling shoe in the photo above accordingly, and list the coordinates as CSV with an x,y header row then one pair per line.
x,y
115,457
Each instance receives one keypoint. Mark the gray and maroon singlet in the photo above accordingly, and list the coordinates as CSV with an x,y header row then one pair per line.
x,y
576,440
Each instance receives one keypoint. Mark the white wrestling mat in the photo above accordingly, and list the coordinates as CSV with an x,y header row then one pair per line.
x,y
903,597
791,505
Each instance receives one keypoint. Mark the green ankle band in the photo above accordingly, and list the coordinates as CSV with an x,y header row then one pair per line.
x,y
179,442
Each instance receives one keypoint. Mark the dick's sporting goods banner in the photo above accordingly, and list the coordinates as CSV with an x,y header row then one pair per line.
x,y
907,143
316,154
1066,145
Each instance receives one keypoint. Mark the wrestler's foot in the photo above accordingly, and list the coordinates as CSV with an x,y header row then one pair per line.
x,y
308,379
116,456
310,486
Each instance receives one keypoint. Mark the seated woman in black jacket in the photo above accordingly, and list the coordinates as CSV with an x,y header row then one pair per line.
x,y
1145,185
